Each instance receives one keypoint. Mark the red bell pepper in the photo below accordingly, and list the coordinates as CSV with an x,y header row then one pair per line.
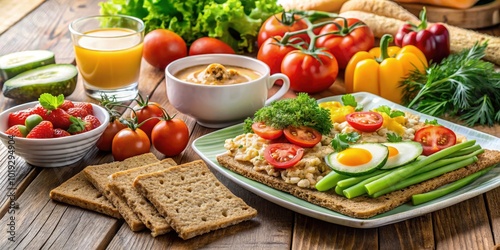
x,y
433,40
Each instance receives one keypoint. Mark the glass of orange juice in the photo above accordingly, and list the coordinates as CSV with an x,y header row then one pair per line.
x,y
108,52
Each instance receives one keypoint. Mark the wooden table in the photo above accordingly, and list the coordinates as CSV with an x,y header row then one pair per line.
x,y
41,223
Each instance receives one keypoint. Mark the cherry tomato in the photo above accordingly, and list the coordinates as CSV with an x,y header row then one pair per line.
x,y
209,45
170,137
309,73
435,138
283,155
302,136
276,25
162,46
266,132
147,110
128,143
106,139
272,53
367,121
348,37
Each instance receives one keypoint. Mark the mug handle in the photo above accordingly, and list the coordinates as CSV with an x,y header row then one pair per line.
x,y
282,91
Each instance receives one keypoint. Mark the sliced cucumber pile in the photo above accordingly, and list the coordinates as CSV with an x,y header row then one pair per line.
x,y
18,62
54,79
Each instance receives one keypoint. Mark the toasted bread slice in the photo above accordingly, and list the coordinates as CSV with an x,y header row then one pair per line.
x,y
78,191
121,184
192,199
98,175
359,207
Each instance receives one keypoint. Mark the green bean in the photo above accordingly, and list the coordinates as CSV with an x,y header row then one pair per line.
x,y
418,199
465,151
350,181
339,190
446,161
329,181
359,188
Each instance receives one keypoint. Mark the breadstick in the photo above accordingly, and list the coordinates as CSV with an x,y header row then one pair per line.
x,y
460,38
380,7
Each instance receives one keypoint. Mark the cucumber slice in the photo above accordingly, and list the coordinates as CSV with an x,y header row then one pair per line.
x,y
15,63
54,79
401,153
358,159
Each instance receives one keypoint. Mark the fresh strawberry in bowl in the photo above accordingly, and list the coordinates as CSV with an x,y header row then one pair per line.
x,y
52,132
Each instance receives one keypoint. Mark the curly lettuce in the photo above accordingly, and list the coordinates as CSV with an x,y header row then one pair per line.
x,y
236,22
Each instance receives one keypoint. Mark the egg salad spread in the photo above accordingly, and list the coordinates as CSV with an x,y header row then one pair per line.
x,y
250,147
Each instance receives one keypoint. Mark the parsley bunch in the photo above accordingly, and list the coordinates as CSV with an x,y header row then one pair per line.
x,y
461,85
296,112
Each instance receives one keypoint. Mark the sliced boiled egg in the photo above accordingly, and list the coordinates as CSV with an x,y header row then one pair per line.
x,y
358,159
401,153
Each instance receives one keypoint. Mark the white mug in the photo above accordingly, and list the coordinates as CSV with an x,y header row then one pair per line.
x,y
217,106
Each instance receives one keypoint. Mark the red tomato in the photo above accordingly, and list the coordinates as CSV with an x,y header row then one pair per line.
x,y
348,37
367,121
105,141
209,45
283,155
302,136
128,143
276,25
272,53
170,137
162,46
147,110
435,138
266,132
308,73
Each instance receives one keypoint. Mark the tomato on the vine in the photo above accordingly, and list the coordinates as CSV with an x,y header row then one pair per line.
x,y
347,37
266,132
271,52
162,46
279,24
105,141
308,72
367,121
306,137
170,136
209,45
145,110
283,155
435,138
129,142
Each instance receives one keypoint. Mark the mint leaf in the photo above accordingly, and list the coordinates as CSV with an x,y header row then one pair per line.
x,y
51,102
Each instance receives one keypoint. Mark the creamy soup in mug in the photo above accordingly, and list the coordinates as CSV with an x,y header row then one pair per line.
x,y
217,74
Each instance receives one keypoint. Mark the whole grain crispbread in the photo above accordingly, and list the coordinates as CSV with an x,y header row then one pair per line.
x,y
192,199
363,206
78,191
98,175
121,184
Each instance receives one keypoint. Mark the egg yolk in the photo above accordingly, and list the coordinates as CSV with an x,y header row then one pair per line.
x,y
354,156
392,151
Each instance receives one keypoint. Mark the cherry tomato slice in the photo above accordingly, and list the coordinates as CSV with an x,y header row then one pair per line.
x,y
266,132
367,121
435,138
302,136
283,155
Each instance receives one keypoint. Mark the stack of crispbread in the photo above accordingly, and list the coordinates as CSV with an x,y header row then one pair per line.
x,y
145,192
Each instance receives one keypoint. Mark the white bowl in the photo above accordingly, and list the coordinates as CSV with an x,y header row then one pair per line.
x,y
52,152
220,106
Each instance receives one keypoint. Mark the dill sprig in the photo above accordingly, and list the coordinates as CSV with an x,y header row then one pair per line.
x,y
462,85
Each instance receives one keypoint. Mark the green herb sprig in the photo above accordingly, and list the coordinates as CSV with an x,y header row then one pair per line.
x,y
462,85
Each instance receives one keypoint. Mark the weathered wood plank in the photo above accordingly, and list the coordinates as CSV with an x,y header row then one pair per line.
x,y
402,235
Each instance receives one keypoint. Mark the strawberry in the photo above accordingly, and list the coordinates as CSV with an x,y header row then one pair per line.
x,y
79,125
91,122
67,104
43,130
18,117
58,132
59,118
85,105
17,130
78,112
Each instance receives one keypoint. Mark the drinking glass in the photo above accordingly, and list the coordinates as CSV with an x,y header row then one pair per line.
x,y
108,52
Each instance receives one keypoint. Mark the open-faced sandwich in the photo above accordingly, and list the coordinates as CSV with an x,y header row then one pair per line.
x,y
354,161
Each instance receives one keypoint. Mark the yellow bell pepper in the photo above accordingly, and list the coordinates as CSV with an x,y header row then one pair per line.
x,y
380,70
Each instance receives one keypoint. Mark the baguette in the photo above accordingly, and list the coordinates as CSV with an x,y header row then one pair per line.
x,y
460,38
360,207
380,7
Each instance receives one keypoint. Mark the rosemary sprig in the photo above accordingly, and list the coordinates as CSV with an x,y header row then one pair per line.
x,y
462,85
